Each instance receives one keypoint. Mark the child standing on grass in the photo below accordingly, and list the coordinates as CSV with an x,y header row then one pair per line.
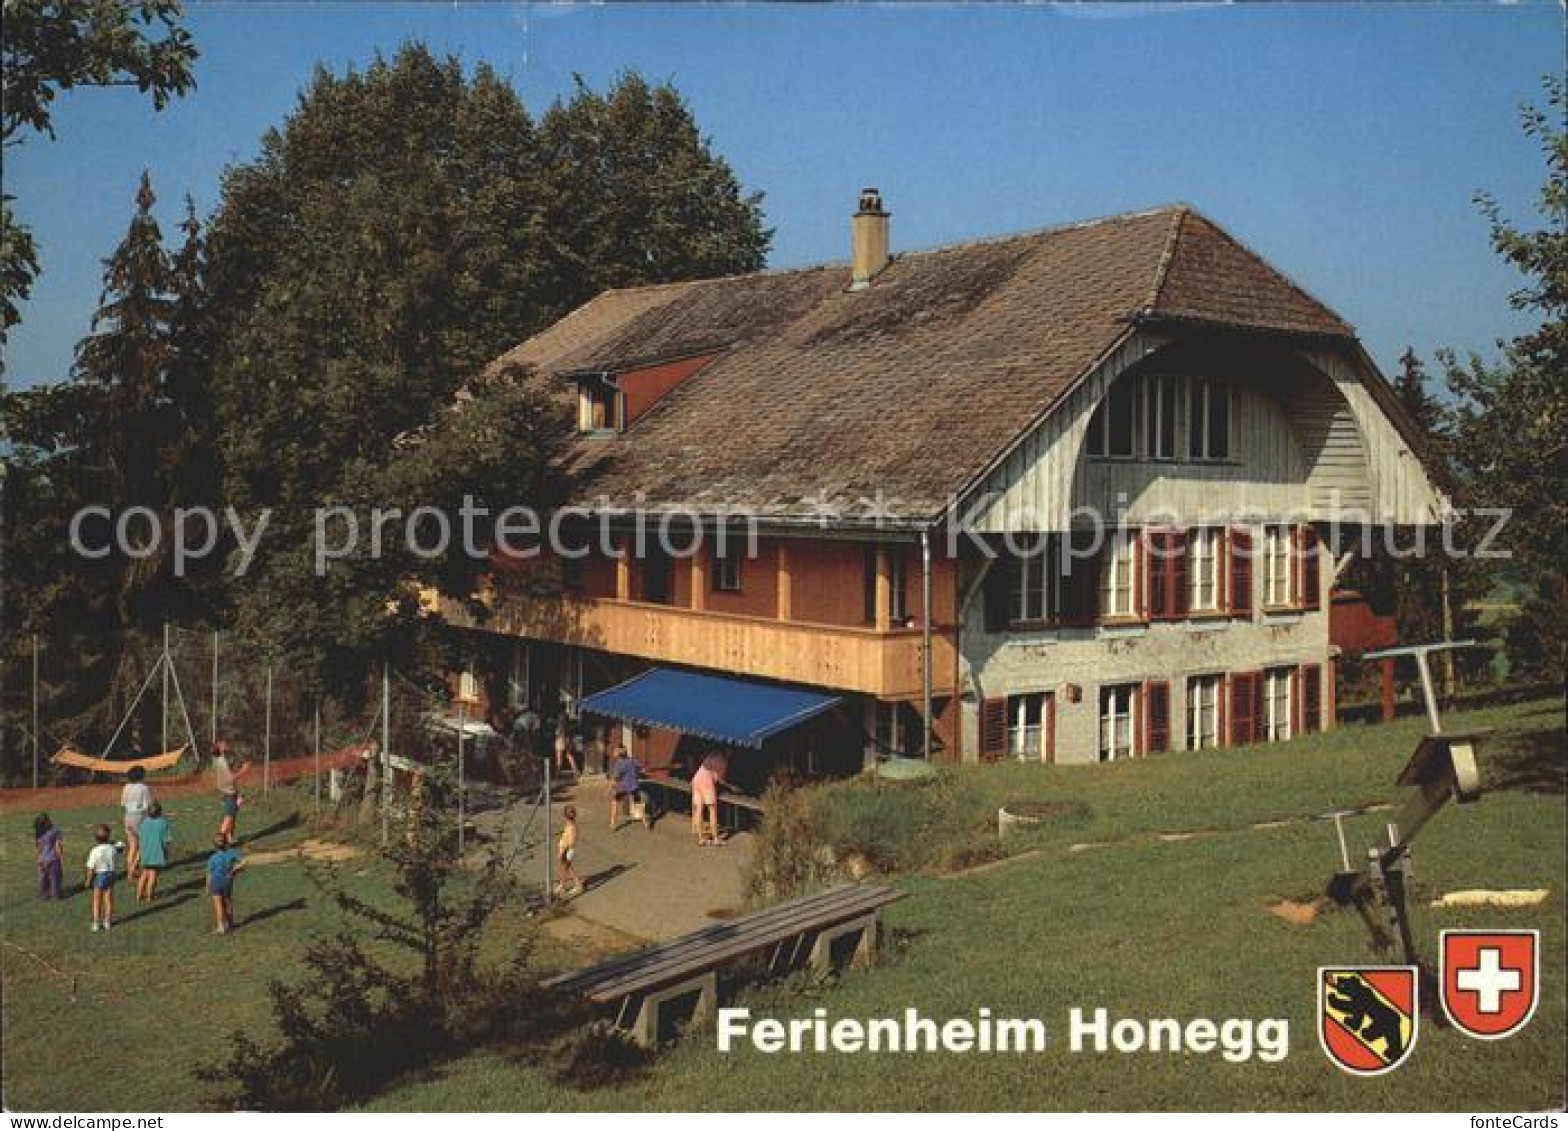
x,y
222,866
100,878
565,853
156,839
51,856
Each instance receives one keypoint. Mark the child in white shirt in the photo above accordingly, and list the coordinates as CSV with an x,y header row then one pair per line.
x,y
100,877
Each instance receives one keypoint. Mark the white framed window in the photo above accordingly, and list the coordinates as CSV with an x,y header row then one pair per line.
x,y
1277,563
517,683
1204,557
1118,714
1118,575
897,728
726,569
1113,430
1276,704
1203,711
1208,419
1027,722
1161,406
1032,594
598,407
895,572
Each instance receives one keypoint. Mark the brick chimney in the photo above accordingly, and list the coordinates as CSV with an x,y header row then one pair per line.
x,y
868,240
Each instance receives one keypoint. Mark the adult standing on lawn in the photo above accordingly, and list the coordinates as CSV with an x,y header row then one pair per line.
x,y
227,780
135,799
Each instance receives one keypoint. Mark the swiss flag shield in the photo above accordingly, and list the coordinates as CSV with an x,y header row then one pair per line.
x,y
1491,980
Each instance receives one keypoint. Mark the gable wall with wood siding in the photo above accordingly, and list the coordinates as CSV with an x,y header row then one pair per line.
x,y
1307,440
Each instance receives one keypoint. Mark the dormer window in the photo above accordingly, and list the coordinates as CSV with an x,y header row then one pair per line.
x,y
600,407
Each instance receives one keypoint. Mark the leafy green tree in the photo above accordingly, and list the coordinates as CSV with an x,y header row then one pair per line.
x,y
406,225
55,45
1511,423
637,195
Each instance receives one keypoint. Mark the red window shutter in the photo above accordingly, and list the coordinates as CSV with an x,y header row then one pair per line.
x,y
1311,698
1239,546
993,729
1245,688
1295,702
1158,557
1259,707
1140,575
1157,717
1309,566
1050,727
1181,582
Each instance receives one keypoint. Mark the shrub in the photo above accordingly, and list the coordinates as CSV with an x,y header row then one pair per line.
x,y
813,836
358,1020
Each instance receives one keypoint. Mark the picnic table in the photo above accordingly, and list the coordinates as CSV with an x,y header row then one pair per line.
x,y
739,805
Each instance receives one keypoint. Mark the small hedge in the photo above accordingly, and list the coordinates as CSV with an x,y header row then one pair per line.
x,y
819,834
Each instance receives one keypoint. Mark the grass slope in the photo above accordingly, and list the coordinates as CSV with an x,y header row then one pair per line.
x,y
1143,926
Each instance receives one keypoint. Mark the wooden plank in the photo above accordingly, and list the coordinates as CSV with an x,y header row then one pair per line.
x,y
710,946
715,932
758,923
721,953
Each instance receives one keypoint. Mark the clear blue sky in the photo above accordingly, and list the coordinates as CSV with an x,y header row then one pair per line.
x,y
1343,143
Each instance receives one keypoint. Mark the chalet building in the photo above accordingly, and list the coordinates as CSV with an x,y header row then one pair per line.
x,y
870,417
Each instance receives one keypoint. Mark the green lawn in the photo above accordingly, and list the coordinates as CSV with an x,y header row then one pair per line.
x,y
1142,926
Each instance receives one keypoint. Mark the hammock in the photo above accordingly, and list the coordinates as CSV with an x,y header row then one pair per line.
x,y
69,756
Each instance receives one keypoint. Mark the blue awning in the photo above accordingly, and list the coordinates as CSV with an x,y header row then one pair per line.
x,y
709,706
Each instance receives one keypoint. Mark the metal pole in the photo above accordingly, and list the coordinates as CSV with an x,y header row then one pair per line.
x,y
925,634
214,688
386,748
318,751
1428,693
266,740
35,710
462,722
549,848
165,706
1449,680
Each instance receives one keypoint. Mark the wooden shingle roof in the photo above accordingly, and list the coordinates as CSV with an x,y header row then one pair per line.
x,y
821,400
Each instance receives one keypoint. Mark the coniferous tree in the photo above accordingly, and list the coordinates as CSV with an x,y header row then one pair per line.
x,y
55,45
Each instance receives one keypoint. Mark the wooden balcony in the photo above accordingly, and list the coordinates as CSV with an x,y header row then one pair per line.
x,y
885,664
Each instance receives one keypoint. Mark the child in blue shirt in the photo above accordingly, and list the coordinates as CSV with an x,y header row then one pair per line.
x,y
222,866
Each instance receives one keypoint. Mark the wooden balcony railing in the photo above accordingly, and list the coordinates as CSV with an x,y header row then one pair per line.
x,y
886,664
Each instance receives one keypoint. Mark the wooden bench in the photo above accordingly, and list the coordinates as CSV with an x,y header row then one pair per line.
x,y
798,932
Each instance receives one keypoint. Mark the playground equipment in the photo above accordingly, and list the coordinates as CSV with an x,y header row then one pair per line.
x,y
68,755
1443,768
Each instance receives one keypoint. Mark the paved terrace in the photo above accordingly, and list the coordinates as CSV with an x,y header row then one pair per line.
x,y
651,884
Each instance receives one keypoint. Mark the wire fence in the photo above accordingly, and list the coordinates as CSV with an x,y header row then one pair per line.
x,y
112,699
